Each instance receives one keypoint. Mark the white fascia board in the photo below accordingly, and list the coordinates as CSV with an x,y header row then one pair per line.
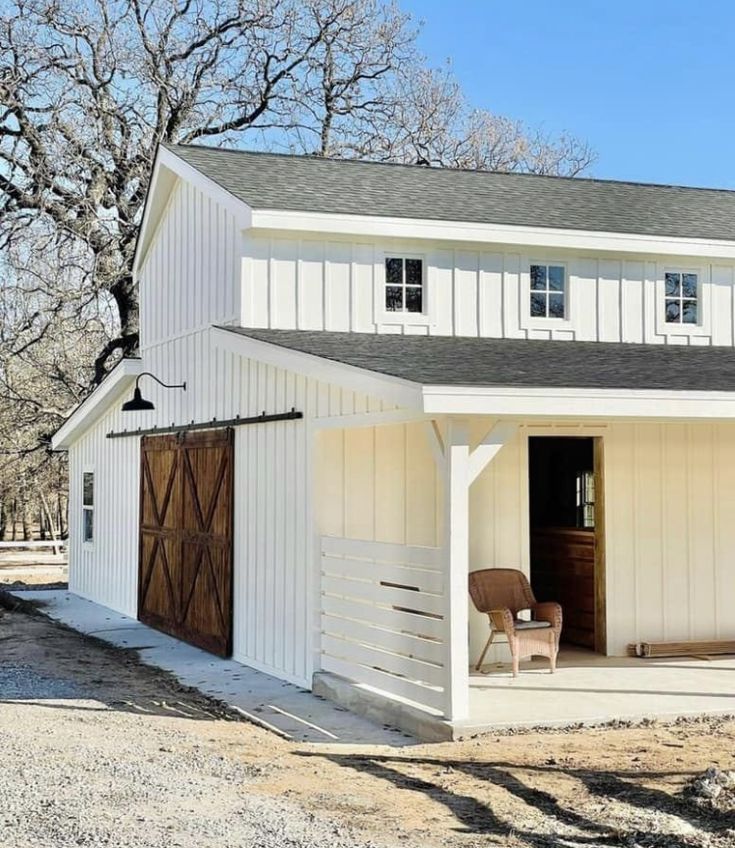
x,y
579,403
418,228
167,164
403,393
94,407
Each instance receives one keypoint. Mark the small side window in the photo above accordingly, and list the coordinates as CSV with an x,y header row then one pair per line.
x,y
548,291
404,284
88,506
681,290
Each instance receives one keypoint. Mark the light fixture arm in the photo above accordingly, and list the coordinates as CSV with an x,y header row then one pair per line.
x,y
138,403
160,382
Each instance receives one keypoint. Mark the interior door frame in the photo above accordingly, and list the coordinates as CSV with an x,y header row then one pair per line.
x,y
597,434
598,446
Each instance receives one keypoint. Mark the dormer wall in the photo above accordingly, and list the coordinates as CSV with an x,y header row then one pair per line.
x,y
203,268
339,284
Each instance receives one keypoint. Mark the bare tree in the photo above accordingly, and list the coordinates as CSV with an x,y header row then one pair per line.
x,y
432,123
89,88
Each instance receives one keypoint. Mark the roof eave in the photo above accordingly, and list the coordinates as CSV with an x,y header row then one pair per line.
x,y
94,407
507,234
576,403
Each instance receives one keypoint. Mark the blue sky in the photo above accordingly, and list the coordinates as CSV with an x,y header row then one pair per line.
x,y
650,84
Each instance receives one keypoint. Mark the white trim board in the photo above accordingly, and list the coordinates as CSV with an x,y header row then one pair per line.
x,y
578,403
462,231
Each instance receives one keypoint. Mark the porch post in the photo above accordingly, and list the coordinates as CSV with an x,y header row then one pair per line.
x,y
456,559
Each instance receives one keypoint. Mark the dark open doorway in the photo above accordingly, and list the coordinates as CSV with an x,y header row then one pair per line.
x,y
566,516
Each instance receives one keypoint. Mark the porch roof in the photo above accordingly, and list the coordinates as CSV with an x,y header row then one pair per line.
x,y
515,363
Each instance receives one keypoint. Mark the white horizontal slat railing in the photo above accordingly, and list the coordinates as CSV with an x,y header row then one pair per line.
x,y
58,546
382,617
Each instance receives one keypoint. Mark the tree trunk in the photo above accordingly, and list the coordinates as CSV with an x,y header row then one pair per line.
x,y
124,292
27,534
47,515
61,516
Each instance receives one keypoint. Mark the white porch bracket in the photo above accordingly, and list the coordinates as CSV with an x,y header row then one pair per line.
x,y
488,448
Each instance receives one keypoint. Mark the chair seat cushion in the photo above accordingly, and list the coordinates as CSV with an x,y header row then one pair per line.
x,y
530,625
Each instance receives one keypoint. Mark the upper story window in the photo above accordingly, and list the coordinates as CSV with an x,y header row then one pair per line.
x,y
88,506
404,284
681,297
548,291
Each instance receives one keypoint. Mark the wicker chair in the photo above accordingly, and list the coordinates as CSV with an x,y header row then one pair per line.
x,y
502,593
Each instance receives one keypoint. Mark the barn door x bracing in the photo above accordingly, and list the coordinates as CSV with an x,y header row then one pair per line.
x,y
185,564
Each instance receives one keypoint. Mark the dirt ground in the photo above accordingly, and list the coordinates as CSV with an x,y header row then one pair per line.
x,y
121,755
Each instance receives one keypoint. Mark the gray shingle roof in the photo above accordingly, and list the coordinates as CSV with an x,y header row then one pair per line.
x,y
313,184
462,361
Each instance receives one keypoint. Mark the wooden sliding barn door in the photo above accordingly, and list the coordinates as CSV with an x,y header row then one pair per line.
x,y
185,554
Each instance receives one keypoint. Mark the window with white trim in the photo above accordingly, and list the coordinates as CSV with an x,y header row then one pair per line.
x,y
681,297
88,506
547,291
404,284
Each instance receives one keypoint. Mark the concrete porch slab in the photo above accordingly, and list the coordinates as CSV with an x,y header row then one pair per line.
x,y
281,707
591,689
587,689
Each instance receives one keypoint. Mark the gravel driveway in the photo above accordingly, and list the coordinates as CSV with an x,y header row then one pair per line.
x,y
96,750
99,750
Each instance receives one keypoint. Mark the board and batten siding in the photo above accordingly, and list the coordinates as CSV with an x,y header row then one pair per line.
x,y
669,494
106,570
670,516
321,284
189,279
273,523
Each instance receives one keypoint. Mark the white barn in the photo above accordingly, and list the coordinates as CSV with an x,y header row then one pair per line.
x,y
441,358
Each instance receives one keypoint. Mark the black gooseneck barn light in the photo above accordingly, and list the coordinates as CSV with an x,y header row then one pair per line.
x,y
138,402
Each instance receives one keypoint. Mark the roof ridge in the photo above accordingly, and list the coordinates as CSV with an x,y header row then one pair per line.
x,y
433,168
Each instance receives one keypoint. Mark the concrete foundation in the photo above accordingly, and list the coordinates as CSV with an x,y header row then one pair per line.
x,y
382,709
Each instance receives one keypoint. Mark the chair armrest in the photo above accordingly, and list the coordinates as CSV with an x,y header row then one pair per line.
x,y
548,611
502,619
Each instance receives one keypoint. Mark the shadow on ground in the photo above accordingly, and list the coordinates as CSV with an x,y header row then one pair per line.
x,y
585,819
50,665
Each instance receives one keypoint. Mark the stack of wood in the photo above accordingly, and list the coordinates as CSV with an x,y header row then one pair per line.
x,y
688,648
